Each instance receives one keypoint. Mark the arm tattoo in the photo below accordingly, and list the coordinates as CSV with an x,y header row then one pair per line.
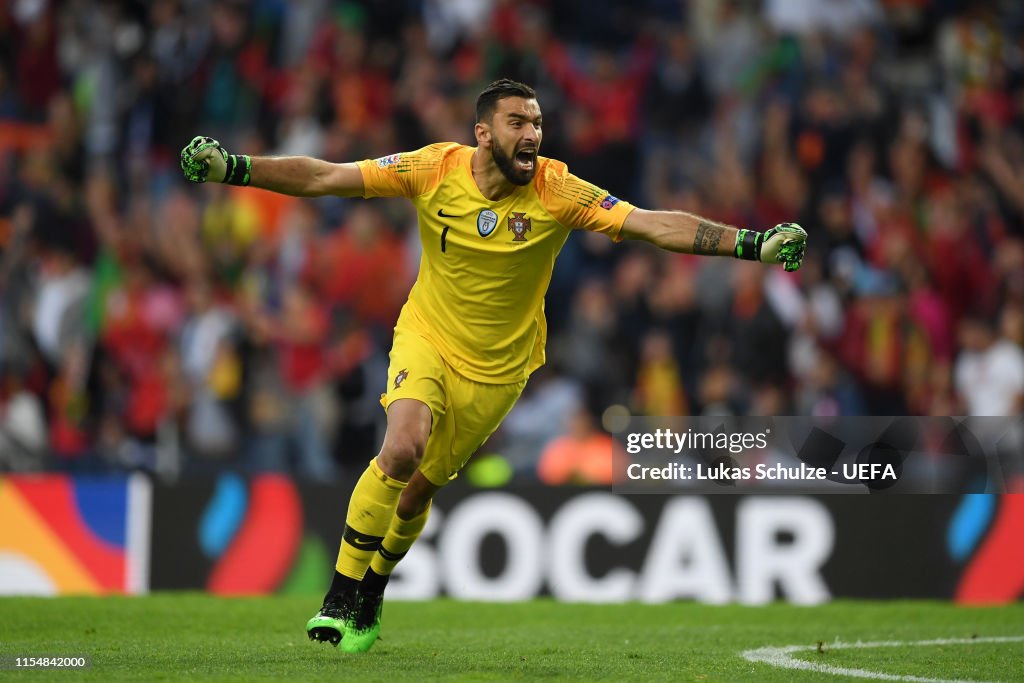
x,y
707,238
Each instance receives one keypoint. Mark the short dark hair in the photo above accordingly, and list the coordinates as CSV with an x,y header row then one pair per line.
x,y
499,90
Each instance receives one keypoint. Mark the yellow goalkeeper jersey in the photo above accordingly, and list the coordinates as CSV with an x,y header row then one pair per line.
x,y
479,295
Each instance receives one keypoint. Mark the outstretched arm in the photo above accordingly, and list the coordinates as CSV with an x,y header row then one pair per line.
x,y
204,159
691,234
306,177
680,231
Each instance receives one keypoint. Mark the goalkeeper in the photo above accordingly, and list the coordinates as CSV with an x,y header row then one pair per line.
x,y
492,219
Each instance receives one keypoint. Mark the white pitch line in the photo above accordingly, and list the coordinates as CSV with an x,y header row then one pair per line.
x,y
782,657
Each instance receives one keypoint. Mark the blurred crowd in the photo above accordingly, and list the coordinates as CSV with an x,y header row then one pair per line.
x,y
149,324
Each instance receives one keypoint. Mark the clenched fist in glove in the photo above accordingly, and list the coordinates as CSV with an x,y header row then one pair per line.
x,y
204,159
785,244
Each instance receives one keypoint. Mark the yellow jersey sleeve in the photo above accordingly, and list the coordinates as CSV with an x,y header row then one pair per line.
x,y
577,204
406,174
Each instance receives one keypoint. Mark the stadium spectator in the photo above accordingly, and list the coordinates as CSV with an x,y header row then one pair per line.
x,y
210,365
299,334
989,371
584,454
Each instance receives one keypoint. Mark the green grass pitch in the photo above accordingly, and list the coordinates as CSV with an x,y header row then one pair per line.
x,y
197,637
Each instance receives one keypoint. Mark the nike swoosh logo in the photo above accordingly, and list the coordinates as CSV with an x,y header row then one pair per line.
x,y
362,543
442,214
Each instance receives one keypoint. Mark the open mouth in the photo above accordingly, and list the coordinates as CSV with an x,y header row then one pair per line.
x,y
526,159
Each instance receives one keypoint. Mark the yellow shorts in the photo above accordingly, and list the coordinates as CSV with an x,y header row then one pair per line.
x,y
465,413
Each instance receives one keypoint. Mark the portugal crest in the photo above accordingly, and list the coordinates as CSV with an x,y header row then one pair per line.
x,y
519,224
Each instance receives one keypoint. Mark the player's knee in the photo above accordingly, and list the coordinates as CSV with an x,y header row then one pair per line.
x,y
399,457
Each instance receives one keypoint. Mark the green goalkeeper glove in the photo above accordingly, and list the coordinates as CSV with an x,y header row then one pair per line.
x,y
785,244
204,159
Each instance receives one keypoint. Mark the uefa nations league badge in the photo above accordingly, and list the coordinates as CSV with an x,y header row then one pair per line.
x,y
486,222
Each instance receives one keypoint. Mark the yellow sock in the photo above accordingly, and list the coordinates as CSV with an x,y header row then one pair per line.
x,y
401,535
370,512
